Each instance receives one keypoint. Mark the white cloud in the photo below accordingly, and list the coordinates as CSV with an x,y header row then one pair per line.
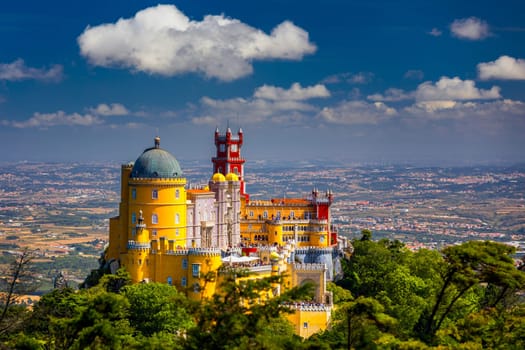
x,y
415,74
162,40
487,110
392,95
471,28
454,89
296,92
435,32
504,68
360,78
351,78
109,110
357,112
44,120
17,71
268,104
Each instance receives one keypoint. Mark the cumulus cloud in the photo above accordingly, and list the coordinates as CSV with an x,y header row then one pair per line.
x,y
296,92
471,28
348,77
109,110
435,32
45,120
504,68
357,112
488,110
360,78
392,95
454,89
17,70
162,40
251,110
415,74
268,104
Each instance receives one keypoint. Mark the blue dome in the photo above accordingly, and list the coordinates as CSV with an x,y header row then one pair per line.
x,y
156,163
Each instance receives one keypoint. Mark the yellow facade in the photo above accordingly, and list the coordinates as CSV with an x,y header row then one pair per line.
x,y
168,234
283,220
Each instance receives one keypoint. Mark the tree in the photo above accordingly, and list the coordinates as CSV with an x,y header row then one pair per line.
x,y
239,314
156,307
18,280
466,266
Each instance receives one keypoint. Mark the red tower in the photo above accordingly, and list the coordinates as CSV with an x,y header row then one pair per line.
x,y
228,158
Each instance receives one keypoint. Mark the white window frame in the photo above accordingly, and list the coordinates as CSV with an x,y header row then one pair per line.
x,y
154,219
154,194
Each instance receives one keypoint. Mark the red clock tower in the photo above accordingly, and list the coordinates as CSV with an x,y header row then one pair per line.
x,y
228,158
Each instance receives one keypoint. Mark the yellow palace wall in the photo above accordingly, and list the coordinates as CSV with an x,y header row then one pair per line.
x,y
259,224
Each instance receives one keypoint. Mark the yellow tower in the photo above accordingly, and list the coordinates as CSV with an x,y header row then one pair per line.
x,y
152,206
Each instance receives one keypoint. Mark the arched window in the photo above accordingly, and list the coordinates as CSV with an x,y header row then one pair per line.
x,y
177,194
133,193
177,218
154,219
154,194
133,218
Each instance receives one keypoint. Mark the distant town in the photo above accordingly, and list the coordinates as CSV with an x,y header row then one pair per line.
x,y
62,209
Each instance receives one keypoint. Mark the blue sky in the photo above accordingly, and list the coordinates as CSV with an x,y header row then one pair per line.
x,y
421,82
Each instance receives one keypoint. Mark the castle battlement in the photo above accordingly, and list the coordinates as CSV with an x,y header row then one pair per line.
x,y
305,306
137,245
155,181
195,251
314,250
309,267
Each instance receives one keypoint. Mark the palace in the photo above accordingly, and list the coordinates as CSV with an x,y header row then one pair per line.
x,y
170,234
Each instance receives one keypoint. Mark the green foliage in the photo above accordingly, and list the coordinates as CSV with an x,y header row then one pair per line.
x,y
468,296
157,308
240,317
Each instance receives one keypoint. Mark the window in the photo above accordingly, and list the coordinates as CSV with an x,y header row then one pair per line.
x,y
305,324
133,193
133,231
170,280
154,233
222,147
196,287
183,282
176,232
177,218
154,194
196,270
236,171
177,194
184,264
154,219
133,218
265,214
234,148
251,213
292,214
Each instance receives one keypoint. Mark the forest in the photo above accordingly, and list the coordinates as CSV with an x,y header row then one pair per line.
x,y
466,296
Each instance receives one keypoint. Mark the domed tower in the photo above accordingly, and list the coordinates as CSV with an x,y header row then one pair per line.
x,y
152,189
